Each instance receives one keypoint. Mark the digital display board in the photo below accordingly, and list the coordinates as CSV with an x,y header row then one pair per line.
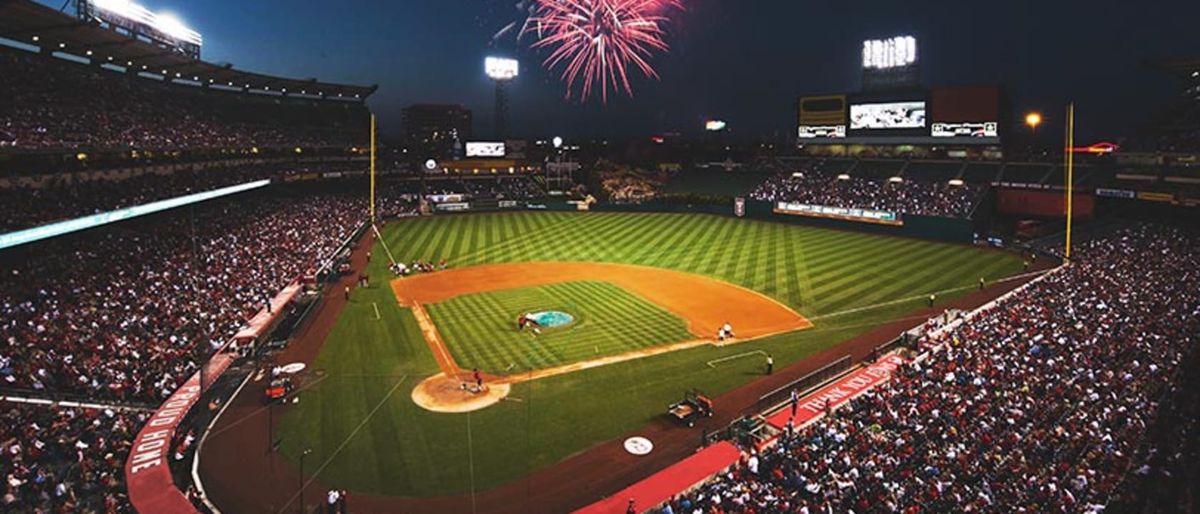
x,y
966,129
822,131
892,115
485,149
38,233
842,213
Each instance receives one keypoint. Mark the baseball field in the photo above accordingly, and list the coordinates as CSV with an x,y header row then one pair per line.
x,y
637,298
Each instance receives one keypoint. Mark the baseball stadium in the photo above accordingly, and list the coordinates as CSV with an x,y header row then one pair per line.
x,y
230,291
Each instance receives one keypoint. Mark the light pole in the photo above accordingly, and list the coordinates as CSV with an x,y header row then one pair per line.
x,y
302,456
501,70
1033,119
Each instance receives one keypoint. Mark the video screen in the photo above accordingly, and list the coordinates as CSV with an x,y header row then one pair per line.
x,y
485,149
895,115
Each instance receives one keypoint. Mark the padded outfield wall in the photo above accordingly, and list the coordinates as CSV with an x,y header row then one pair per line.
x,y
952,230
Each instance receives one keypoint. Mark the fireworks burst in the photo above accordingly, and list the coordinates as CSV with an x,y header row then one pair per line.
x,y
597,43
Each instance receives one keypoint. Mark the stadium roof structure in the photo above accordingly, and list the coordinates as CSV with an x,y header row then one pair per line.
x,y
31,23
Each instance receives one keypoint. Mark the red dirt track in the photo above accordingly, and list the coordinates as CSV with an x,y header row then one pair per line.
x,y
241,476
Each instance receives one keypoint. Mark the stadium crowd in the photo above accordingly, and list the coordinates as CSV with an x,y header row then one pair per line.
x,y
128,314
65,459
815,185
173,288
53,103
1036,405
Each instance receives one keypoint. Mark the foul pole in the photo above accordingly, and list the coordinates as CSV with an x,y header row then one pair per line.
x,y
1070,173
372,169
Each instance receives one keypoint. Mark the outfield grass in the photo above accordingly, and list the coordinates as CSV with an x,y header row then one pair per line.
x,y
845,282
480,331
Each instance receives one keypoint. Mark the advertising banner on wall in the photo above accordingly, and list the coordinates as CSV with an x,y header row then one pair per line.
x,y
842,213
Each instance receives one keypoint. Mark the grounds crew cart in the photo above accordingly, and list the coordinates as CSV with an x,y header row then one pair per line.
x,y
694,405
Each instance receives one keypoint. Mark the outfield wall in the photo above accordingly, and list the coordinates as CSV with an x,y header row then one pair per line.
x,y
953,230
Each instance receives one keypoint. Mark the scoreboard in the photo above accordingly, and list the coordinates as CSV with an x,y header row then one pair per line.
x,y
957,115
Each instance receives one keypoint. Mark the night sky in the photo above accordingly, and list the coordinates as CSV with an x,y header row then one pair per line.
x,y
743,61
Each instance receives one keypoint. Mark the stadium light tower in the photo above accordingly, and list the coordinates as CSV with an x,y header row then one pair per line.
x,y
501,70
1033,119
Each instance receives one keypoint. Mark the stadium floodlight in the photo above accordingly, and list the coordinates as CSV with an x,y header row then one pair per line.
x,y
501,68
1033,119
894,52
714,125
165,23
558,141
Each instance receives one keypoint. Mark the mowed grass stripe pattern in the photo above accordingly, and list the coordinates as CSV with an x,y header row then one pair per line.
x,y
480,329
815,271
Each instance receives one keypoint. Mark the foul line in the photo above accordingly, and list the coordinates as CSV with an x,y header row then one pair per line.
x,y
376,307
255,412
342,446
383,243
713,363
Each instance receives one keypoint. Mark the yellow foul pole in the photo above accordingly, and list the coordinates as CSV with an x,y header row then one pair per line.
x,y
372,169
1070,172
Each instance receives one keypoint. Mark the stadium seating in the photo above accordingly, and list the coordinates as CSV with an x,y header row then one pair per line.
x,y
815,184
1036,405
53,103
65,459
165,298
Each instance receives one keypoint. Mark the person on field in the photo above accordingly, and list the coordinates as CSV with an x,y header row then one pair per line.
x,y
347,293
725,332
478,379
770,364
331,501
631,508
932,298
982,283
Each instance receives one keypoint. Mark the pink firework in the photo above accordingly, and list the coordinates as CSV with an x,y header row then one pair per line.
x,y
598,42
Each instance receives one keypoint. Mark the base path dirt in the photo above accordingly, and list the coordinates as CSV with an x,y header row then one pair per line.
x,y
705,303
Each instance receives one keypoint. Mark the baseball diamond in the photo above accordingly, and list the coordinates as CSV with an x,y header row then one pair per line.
x,y
622,369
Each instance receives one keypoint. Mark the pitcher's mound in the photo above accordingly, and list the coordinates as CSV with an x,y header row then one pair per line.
x,y
441,393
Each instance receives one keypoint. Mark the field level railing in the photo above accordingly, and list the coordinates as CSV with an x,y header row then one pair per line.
x,y
769,401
